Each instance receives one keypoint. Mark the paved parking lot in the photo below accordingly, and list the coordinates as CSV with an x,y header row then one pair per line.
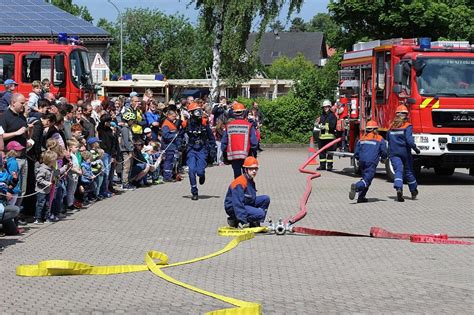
x,y
286,274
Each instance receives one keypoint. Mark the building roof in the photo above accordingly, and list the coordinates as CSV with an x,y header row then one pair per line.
x,y
310,44
36,18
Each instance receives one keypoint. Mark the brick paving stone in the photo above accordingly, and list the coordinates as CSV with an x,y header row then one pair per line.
x,y
291,274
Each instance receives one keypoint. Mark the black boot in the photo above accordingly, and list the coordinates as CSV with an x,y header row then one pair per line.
x,y
232,223
195,197
400,195
352,192
414,194
202,180
329,168
322,167
362,200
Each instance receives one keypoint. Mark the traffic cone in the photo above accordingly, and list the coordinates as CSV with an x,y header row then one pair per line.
x,y
311,151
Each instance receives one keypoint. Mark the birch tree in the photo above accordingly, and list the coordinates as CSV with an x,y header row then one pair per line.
x,y
230,22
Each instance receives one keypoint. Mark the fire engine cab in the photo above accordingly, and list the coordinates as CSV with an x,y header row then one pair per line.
x,y
65,63
435,80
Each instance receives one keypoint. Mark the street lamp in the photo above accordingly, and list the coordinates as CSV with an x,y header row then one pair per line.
x,y
121,36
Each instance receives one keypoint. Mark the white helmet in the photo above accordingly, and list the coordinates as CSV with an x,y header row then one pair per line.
x,y
326,103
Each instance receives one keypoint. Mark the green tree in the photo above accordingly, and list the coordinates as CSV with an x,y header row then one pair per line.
x,y
298,25
382,19
320,84
74,9
154,42
276,26
322,22
293,69
229,22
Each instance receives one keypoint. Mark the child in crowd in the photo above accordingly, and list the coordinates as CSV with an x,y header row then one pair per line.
x,y
59,188
14,150
97,165
87,178
156,158
44,182
74,173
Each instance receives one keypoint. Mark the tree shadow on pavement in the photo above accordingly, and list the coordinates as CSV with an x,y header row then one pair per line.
x,y
202,197
6,241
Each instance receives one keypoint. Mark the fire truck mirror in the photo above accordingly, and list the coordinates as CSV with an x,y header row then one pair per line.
x,y
419,65
397,88
397,75
59,63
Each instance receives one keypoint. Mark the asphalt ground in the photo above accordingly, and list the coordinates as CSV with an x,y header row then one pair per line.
x,y
290,274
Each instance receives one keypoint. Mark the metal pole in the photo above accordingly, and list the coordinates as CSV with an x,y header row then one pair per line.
x,y
121,35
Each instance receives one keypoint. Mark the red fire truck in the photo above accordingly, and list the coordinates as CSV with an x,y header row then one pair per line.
x,y
435,80
66,65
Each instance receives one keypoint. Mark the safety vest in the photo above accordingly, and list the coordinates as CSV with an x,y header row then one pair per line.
x,y
238,132
327,134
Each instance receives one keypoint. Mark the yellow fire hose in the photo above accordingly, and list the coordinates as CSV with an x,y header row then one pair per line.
x,y
155,262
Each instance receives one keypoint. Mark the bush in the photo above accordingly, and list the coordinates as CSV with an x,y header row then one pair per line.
x,y
288,119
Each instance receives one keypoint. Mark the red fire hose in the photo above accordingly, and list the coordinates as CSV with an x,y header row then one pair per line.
x,y
375,232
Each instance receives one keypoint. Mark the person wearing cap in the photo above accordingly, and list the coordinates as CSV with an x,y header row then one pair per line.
x,y
327,124
369,150
10,86
147,135
14,150
239,138
201,142
242,205
400,143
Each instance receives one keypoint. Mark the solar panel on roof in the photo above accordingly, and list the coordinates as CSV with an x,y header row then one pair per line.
x,y
36,17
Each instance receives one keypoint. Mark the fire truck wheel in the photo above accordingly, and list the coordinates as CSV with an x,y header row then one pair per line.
x,y
444,171
389,170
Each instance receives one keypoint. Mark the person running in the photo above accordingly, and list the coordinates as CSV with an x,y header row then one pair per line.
x,y
369,149
400,144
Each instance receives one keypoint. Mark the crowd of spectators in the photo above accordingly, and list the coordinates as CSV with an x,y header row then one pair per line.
x,y
58,157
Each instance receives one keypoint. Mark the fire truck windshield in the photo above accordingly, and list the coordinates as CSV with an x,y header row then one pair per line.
x,y
445,76
80,68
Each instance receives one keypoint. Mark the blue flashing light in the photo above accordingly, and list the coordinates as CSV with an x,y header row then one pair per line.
x,y
62,38
425,42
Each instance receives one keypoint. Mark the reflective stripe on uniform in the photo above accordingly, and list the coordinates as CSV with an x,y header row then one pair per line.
x,y
368,142
322,160
399,179
413,182
399,132
365,184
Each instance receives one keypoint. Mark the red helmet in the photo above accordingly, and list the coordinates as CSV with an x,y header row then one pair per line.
x,y
238,107
193,106
371,125
250,162
401,109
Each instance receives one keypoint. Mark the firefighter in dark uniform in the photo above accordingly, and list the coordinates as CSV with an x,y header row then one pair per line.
x,y
400,143
201,142
369,150
327,124
240,137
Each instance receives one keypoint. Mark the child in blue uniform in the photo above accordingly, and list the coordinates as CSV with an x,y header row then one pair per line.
x,y
369,149
242,205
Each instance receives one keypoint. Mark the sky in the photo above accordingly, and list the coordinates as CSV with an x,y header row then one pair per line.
x,y
103,9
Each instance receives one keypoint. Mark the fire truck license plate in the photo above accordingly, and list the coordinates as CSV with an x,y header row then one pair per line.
x,y
463,139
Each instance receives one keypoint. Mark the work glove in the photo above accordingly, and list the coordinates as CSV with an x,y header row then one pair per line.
x,y
417,151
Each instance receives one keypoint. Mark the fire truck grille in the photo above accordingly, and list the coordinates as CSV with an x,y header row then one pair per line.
x,y
461,147
453,119
458,160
